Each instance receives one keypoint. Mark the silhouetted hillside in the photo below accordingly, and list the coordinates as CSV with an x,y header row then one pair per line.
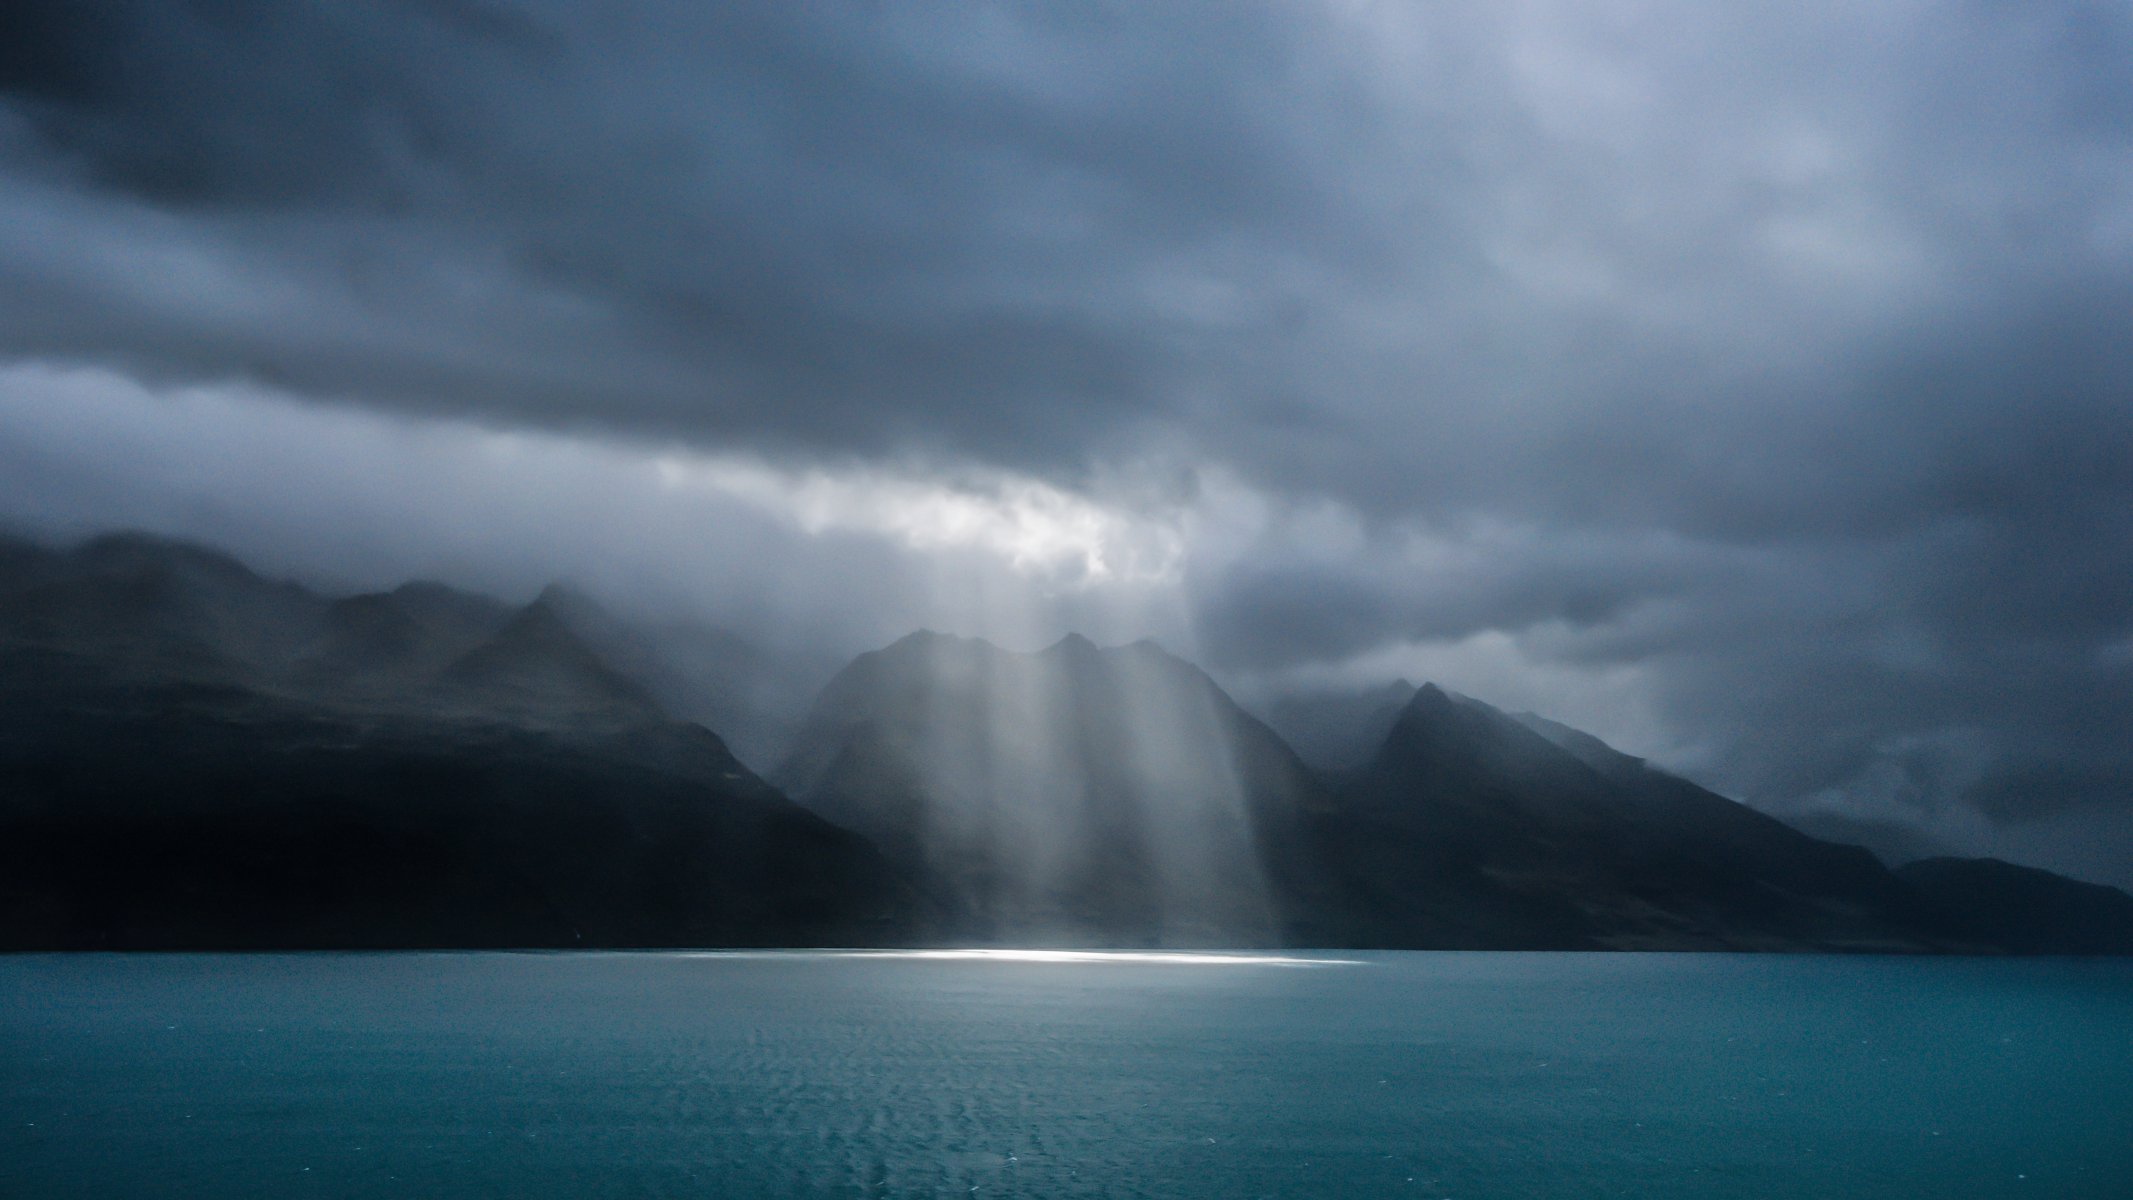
x,y
2027,910
1475,827
191,756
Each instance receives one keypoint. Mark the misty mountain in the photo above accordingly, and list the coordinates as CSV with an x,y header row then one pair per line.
x,y
1587,749
536,668
1109,796
165,611
384,645
191,755
152,609
1474,828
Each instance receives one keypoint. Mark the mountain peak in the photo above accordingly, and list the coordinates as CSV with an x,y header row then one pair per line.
x,y
1466,744
570,603
133,547
1073,643
1431,705
457,618
148,557
536,664
556,595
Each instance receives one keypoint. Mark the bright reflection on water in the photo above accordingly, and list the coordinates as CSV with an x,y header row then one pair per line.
x,y
1189,958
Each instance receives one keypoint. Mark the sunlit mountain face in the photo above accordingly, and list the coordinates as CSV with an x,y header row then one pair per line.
x,y
1070,795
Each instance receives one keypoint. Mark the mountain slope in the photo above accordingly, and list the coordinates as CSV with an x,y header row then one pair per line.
x,y
537,669
232,825
1478,828
154,608
193,757
2027,910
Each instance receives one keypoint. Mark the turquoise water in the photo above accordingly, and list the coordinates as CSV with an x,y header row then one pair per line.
x,y
1423,1075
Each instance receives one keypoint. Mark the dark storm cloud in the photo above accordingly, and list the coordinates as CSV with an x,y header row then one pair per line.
x,y
855,227
1266,612
1784,356
1550,260
246,102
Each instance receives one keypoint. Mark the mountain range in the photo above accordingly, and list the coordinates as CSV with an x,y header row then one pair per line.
x,y
195,756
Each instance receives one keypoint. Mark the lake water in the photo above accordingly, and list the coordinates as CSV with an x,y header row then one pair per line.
x,y
1407,1075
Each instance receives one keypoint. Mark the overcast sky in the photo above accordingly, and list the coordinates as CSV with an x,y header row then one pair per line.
x,y
1752,385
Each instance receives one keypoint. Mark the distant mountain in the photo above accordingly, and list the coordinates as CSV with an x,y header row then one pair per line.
x,y
2027,910
384,646
154,609
1475,829
192,756
536,668
1075,795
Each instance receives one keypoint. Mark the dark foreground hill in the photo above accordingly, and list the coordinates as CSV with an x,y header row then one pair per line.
x,y
2032,911
191,756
